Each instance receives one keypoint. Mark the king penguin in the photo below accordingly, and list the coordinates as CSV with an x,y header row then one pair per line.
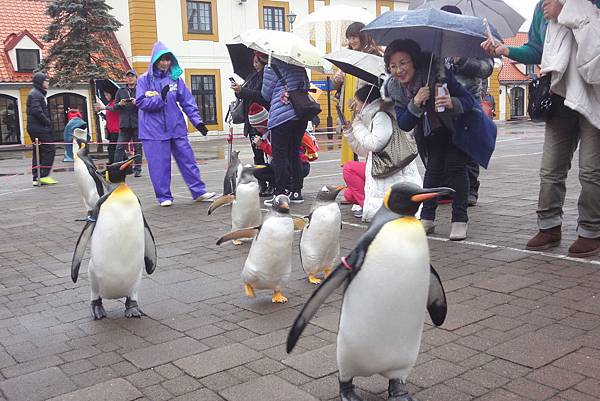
x,y
269,262
389,282
320,240
245,208
89,181
122,244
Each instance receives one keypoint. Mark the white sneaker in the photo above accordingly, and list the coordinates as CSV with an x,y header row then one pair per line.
x,y
356,208
205,196
166,203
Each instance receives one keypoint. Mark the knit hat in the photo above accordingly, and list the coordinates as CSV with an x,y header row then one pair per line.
x,y
258,116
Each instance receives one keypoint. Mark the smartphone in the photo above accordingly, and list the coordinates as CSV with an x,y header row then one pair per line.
x,y
232,80
488,32
129,100
441,91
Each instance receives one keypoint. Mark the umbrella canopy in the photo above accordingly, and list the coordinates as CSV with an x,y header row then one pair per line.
x,y
284,46
365,66
438,32
107,85
331,22
502,16
241,58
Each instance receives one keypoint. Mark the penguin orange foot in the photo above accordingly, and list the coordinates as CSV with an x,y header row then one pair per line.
x,y
327,272
237,242
313,279
249,291
132,309
98,311
278,297
397,391
348,393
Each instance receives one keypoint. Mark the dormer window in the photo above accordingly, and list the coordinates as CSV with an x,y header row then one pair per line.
x,y
27,59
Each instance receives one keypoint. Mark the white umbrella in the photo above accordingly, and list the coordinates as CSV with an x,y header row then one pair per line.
x,y
331,22
286,47
499,14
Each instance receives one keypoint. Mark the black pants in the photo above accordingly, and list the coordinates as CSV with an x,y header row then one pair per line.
x,y
285,141
445,159
126,135
47,152
473,172
112,146
267,173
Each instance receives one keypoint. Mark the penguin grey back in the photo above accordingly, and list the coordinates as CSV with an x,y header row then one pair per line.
x,y
230,180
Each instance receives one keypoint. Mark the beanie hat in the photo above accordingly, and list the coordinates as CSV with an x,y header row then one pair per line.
x,y
258,115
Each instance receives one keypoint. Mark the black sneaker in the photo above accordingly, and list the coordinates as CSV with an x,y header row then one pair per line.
x,y
137,174
296,197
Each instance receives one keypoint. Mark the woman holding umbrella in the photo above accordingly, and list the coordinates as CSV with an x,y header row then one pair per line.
x,y
251,92
434,120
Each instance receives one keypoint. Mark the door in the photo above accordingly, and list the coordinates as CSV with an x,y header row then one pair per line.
x,y
10,129
517,104
58,105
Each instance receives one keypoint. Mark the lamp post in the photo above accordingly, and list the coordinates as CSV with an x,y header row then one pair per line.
x,y
291,17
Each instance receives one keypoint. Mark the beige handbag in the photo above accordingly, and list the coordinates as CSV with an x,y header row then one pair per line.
x,y
399,152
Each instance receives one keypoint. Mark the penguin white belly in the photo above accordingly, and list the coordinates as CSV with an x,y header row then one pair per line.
x,y
384,306
86,184
245,211
320,242
269,263
117,247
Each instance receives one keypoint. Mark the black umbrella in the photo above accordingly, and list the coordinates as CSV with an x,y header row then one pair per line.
x,y
106,85
365,66
241,59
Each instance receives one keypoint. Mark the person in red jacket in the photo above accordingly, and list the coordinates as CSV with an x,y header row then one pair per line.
x,y
112,124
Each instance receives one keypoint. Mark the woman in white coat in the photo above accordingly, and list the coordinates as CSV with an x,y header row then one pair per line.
x,y
370,132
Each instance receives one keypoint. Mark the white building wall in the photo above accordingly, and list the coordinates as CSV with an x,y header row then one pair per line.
x,y
503,104
24,43
121,12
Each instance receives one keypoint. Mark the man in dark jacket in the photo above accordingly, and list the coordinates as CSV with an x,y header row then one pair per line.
x,y
39,126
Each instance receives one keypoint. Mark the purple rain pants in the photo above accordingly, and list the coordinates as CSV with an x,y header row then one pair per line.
x,y
158,154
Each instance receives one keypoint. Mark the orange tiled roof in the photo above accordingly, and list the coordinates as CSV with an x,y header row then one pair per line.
x,y
21,17
509,71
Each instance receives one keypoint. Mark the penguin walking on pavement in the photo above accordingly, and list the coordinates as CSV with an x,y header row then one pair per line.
x,y
389,282
122,245
269,262
320,240
245,209
234,169
89,181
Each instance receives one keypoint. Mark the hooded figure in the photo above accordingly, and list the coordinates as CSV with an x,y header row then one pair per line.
x,y
161,95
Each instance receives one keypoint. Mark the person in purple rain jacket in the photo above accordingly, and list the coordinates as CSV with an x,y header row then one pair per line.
x,y
162,128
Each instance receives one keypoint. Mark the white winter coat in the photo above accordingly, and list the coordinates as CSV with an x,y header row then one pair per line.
x,y
371,132
572,54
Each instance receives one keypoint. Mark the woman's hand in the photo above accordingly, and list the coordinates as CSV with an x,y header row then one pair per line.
x,y
237,88
494,49
422,96
444,101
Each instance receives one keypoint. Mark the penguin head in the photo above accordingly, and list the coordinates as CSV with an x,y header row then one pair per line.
x,y
281,204
81,136
247,174
115,173
404,197
328,193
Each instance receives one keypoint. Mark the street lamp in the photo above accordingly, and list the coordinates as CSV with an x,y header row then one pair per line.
x,y
291,17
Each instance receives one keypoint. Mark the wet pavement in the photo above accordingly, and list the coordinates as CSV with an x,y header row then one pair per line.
x,y
522,325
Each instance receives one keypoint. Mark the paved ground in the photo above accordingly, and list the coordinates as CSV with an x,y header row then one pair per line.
x,y
522,325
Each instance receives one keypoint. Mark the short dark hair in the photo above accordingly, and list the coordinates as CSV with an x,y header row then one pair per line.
x,y
406,46
451,9
367,93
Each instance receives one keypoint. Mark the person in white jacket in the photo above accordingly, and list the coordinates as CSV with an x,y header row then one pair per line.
x,y
370,132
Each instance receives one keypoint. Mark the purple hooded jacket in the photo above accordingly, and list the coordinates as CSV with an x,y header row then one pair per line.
x,y
163,120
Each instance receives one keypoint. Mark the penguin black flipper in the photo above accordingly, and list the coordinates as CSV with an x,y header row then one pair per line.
x,y
149,248
436,300
80,248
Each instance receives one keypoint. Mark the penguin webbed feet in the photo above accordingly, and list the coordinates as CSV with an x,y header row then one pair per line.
x,y
98,312
397,391
278,297
348,392
132,309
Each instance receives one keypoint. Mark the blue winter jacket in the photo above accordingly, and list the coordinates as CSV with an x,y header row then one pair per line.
x,y
273,89
163,120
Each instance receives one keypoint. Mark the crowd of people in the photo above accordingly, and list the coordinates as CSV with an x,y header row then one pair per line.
x,y
427,97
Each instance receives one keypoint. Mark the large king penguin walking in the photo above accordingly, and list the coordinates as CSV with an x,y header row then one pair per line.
x,y
389,284
121,245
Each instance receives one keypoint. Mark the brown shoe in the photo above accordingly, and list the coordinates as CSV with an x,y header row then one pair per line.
x,y
545,239
583,247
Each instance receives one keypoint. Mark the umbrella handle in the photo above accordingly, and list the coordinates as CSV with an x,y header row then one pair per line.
x,y
429,72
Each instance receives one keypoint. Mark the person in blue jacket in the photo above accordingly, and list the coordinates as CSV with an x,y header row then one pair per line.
x,y
417,107
161,95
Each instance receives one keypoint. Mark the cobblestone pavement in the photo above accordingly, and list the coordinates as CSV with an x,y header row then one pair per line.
x,y
522,325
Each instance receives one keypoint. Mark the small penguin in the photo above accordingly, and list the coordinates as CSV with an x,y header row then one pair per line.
x,y
245,210
320,240
269,262
389,281
89,181
234,169
122,244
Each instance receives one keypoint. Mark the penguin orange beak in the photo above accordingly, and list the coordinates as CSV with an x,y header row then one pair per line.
x,y
432,193
340,187
128,163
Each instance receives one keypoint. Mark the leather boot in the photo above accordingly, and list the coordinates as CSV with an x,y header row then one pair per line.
x,y
583,247
545,239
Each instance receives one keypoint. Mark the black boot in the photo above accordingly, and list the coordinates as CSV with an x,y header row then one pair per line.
x,y
347,392
268,192
263,189
397,391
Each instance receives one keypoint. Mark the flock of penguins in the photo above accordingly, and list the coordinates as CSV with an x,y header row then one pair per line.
x,y
388,279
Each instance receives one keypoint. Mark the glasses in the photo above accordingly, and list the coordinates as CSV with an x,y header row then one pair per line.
x,y
401,65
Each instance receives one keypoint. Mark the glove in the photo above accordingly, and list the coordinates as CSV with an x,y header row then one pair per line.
x,y
163,93
202,128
